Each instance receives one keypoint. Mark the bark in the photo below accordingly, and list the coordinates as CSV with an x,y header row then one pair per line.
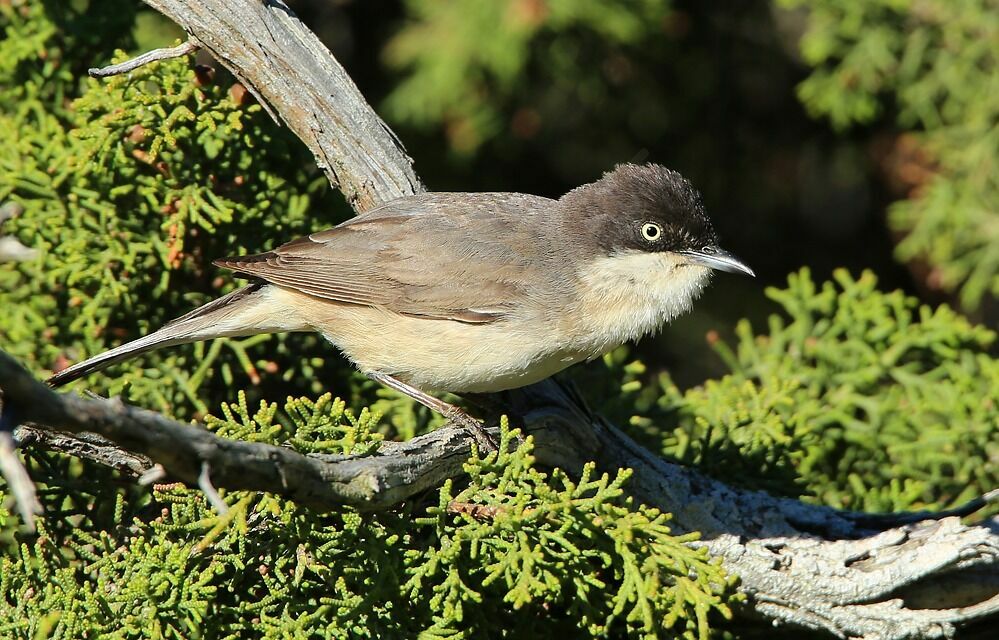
x,y
298,81
848,574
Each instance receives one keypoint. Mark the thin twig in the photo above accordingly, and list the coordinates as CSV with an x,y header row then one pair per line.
x,y
89,446
21,486
207,488
477,511
152,475
155,55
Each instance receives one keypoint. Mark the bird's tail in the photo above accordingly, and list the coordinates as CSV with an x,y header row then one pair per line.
x,y
243,312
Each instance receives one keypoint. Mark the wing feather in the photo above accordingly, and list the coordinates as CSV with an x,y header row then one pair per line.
x,y
458,256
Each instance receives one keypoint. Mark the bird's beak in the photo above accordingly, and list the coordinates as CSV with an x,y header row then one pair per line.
x,y
715,258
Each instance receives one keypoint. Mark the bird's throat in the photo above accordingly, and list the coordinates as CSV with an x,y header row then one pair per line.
x,y
627,295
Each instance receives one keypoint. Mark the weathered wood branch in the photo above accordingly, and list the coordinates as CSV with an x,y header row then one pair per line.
x,y
802,565
297,79
322,482
88,446
182,49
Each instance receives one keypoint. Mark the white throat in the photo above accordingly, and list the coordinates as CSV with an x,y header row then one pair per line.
x,y
629,294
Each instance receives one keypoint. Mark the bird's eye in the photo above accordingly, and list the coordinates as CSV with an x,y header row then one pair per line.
x,y
651,231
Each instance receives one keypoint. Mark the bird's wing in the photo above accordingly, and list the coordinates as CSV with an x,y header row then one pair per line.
x,y
462,256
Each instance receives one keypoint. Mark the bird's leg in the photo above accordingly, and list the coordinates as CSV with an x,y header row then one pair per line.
x,y
449,411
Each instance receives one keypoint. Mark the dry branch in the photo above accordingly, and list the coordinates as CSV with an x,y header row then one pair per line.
x,y
84,445
155,55
322,482
800,565
298,80
21,486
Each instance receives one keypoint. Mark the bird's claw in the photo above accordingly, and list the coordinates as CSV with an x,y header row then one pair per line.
x,y
482,437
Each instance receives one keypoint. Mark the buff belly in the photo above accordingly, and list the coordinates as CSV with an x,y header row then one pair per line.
x,y
442,355
435,355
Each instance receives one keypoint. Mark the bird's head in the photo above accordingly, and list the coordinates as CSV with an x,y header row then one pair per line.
x,y
644,250
648,209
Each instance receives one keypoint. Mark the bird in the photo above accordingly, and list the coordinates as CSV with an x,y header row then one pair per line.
x,y
473,293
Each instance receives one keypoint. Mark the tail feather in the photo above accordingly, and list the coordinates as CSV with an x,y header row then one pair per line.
x,y
219,318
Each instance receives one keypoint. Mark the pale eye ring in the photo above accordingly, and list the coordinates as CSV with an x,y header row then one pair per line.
x,y
652,231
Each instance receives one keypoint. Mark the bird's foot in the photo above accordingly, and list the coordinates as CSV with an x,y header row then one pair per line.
x,y
487,444
449,411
